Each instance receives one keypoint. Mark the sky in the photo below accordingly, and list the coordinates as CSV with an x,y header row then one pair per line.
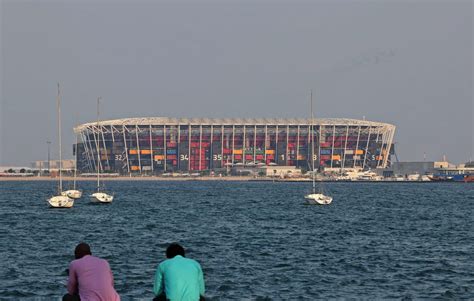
x,y
408,63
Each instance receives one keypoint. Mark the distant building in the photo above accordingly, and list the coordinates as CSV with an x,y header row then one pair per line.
x,y
427,167
54,165
280,171
160,145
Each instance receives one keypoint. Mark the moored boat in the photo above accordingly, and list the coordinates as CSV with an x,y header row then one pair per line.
x,y
469,178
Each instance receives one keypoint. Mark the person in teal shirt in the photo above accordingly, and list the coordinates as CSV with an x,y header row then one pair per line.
x,y
178,278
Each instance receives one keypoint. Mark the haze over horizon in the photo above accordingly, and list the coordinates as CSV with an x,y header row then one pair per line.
x,y
406,63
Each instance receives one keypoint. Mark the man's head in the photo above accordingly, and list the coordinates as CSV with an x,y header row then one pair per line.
x,y
173,250
82,250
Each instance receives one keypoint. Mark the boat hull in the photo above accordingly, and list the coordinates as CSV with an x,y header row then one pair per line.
x,y
102,197
60,201
73,194
318,199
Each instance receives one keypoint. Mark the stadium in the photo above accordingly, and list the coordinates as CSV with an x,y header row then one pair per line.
x,y
159,144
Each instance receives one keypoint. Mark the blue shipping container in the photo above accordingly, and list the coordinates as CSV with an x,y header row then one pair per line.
x,y
325,152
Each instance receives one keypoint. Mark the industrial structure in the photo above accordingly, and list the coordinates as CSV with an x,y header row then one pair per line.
x,y
159,144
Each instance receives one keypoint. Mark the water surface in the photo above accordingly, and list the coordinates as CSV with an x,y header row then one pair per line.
x,y
254,240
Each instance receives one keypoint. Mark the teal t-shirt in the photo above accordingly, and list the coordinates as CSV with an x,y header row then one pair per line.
x,y
180,278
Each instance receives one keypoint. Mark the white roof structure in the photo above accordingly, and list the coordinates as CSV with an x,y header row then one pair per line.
x,y
231,121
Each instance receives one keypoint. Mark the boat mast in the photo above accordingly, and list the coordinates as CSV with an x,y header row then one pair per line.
x,y
58,100
75,165
312,142
98,145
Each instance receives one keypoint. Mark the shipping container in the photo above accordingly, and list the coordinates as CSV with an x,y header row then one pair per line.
x,y
145,152
134,168
270,152
349,151
171,151
359,152
238,152
336,157
133,152
325,144
325,152
159,157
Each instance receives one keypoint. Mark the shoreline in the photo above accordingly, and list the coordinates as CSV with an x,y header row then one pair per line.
x,y
201,178
124,178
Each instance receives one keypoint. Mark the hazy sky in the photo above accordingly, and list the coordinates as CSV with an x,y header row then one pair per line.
x,y
409,63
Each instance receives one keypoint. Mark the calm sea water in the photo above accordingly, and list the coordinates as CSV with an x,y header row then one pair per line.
x,y
254,240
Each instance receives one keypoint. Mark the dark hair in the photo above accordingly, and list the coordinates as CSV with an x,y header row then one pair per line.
x,y
82,250
173,250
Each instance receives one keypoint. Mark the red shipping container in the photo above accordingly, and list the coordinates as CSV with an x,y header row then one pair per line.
x,y
325,157
238,157
248,157
271,157
227,151
325,144
175,162
171,157
259,157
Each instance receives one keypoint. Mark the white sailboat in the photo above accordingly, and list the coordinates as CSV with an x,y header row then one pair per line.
x,y
100,196
60,200
74,193
316,197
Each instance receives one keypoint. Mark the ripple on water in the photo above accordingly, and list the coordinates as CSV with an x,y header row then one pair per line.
x,y
254,240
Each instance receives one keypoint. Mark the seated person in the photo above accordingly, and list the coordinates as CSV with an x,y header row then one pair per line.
x,y
90,278
178,278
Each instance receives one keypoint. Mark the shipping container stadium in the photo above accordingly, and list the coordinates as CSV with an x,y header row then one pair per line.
x,y
159,144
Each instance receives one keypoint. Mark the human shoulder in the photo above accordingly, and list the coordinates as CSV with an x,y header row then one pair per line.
x,y
77,262
101,261
193,262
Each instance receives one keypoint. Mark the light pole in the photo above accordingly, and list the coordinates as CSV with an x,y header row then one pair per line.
x,y
49,162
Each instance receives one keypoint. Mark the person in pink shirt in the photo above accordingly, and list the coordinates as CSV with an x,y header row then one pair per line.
x,y
90,278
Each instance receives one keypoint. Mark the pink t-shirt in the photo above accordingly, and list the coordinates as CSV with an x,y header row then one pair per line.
x,y
92,278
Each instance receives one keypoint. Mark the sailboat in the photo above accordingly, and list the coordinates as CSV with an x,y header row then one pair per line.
x,y
316,197
100,197
74,193
60,200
